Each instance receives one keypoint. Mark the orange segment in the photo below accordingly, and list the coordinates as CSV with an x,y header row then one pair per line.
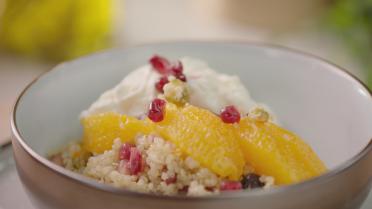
x,y
276,152
201,135
221,147
101,130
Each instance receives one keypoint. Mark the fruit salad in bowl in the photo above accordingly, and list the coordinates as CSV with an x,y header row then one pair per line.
x,y
180,127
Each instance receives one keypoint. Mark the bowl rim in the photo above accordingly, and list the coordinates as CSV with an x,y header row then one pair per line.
x,y
85,181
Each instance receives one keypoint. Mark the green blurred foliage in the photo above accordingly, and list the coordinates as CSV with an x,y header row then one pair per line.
x,y
352,20
56,30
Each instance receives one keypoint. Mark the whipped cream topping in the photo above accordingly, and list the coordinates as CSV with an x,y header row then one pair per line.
x,y
208,89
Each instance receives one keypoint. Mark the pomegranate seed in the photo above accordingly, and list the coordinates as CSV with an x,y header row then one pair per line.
x,y
230,185
134,165
157,110
160,64
171,180
177,71
124,151
181,77
230,115
177,68
161,83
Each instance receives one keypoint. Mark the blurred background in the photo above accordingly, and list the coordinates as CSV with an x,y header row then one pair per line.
x,y
35,35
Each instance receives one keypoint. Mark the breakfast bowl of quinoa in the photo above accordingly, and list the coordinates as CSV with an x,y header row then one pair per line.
x,y
194,125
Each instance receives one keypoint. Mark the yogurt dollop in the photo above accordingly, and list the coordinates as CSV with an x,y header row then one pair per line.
x,y
208,89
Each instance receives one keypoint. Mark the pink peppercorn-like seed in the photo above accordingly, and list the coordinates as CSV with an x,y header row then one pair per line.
x,y
230,185
161,83
124,151
160,64
157,110
134,165
230,115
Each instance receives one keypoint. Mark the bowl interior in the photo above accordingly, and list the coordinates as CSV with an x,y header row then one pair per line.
x,y
327,107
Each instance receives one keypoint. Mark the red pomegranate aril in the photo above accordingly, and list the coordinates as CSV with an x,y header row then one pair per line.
x,y
155,116
171,180
157,110
160,64
181,77
177,71
124,151
161,83
230,185
230,115
177,68
134,165
157,104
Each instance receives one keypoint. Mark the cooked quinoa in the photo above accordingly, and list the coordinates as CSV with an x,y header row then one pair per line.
x,y
165,170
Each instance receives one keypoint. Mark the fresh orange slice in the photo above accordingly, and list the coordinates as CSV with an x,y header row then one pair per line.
x,y
276,152
101,130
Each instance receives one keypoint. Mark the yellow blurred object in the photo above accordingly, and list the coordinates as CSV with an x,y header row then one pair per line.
x,y
56,30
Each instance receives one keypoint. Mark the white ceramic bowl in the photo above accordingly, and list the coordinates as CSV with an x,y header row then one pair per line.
x,y
329,108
